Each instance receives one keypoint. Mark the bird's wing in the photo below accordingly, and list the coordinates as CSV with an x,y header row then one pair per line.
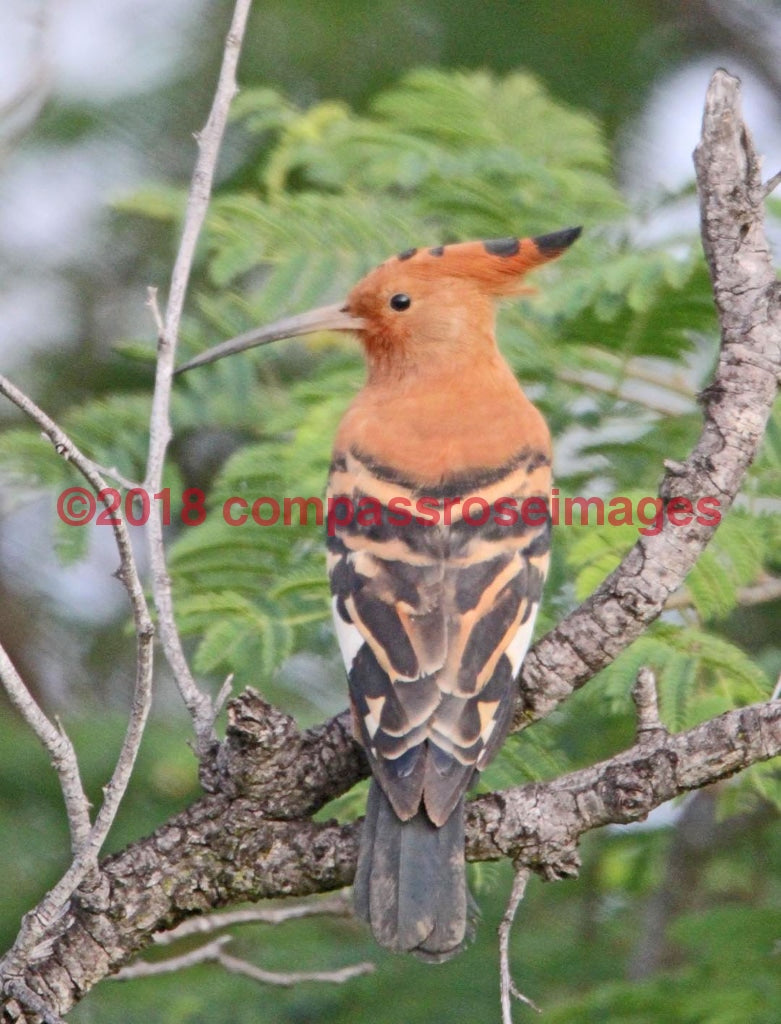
x,y
433,621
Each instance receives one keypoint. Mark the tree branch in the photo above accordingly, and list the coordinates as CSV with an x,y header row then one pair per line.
x,y
214,952
87,841
507,987
736,404
647,705
292,978
202,709
59,748
32,1001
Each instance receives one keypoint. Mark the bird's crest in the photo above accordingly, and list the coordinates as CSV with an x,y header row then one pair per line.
x,y
496,264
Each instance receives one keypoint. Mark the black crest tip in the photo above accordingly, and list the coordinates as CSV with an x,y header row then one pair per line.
x,y
557,240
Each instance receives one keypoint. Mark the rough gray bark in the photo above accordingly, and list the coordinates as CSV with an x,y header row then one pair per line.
x,y
251,836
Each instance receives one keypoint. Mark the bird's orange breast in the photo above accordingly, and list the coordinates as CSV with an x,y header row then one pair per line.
x,y
431,429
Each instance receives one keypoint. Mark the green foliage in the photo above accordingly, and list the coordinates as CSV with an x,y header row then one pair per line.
x,y
699,674
743,545
732,947
110,431
28,463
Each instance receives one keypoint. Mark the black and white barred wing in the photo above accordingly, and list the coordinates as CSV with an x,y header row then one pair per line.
x,y
433,623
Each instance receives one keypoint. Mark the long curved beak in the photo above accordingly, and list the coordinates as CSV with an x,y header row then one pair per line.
x,y
325,318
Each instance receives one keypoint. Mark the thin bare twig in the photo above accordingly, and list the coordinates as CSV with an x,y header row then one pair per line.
x,y
647,705
114,474
198,703
202,955
290,980
507,987
37,921
772,184
334,906
222,696
59,748
154,307
214,952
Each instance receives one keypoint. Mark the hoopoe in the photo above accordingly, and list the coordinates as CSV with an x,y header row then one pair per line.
x,y
433,601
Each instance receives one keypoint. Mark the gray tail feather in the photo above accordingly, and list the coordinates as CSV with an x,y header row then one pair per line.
x,y
410,884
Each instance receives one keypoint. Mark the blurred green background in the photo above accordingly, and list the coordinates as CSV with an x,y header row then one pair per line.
x,y
676,921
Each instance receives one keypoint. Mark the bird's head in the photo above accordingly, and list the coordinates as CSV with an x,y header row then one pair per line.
x,y
422,304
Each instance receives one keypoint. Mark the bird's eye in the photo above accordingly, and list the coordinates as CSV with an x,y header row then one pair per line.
x,y
400,302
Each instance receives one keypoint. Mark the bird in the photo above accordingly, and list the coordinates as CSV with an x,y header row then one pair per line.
x,y
434,601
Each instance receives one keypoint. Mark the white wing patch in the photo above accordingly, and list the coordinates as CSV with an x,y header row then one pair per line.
x,y
519,645
348,636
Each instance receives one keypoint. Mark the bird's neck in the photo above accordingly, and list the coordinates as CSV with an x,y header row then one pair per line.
x,y
445,420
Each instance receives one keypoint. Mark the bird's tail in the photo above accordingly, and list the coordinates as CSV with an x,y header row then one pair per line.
x,y
410,884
